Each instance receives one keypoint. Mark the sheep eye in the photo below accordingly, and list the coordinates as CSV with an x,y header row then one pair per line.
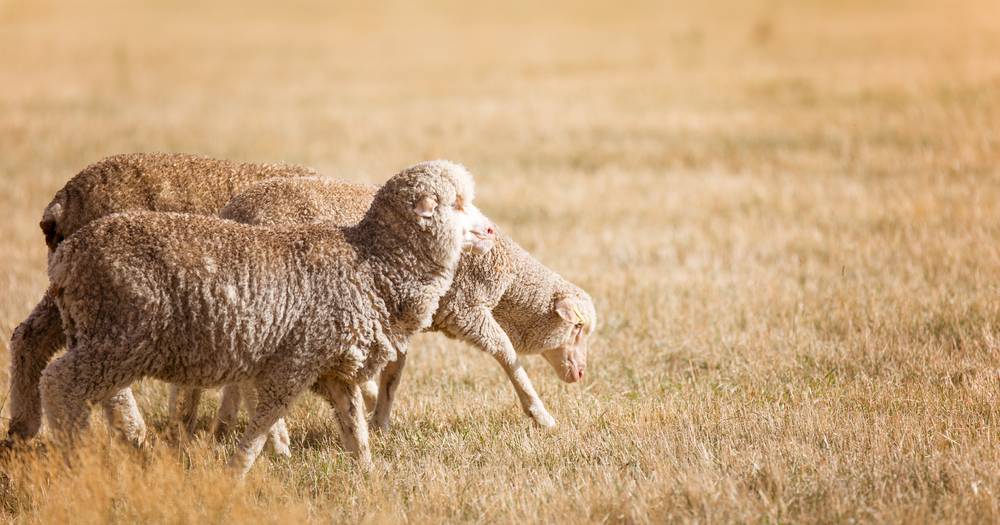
x,y
578,326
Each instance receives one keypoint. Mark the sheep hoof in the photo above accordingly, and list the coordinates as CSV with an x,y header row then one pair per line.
x,y
544,420
378,427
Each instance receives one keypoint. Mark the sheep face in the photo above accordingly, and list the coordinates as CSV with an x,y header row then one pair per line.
x,y
572,322
477,231
448,206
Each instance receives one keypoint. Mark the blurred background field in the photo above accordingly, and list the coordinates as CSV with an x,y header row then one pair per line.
x,y
785,211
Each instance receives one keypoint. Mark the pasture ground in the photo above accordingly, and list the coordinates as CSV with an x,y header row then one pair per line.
x,y
785,211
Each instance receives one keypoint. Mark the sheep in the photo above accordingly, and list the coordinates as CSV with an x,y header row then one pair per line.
x,y
504,302
201,301
138,181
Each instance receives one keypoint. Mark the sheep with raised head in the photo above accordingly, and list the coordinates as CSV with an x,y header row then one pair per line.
x,y
201,301
504,302
128,182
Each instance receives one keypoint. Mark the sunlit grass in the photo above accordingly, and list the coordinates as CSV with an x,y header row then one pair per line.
x,y
787,215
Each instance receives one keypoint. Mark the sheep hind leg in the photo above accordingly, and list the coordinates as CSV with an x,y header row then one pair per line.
x,y
350,409
83,376
32,344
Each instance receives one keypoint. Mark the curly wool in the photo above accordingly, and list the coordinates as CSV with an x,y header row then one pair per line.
x,y
501,301
129,182
201,301
152,181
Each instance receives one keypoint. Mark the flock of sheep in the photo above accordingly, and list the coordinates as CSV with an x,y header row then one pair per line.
x,y
269,280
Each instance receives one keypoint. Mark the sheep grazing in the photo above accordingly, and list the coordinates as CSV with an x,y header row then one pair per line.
x,y
139,181
504,302
203,302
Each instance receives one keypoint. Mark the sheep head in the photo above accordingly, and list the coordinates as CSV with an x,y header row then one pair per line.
x,y
437,197
572,321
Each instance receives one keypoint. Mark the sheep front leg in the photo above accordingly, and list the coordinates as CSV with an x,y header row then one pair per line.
x,y
229,407
483,331
350,409
280,442
388,382
531,404
369,390
278,433
124,417
273,398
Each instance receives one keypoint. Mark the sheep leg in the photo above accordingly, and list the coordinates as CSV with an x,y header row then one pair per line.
x,y
531,404
83,376
388,382
229,406
369,390
278,436
183,410
124,417
350,409
485,333
273,397
32,344
278,433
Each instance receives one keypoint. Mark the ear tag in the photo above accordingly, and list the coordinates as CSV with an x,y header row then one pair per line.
x,y
579,317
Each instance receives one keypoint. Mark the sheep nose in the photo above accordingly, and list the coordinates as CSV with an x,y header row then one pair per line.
x,y
484,231
579,374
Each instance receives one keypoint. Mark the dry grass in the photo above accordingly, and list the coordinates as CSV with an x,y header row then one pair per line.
x,y
786,211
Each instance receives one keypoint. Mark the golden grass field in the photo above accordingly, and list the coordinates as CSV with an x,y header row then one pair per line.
x,y
786,212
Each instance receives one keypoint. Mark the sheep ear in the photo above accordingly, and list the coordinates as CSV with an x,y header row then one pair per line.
x,y
425,206
564,307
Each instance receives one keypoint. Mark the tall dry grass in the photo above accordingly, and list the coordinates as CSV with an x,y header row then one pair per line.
x,y
786,212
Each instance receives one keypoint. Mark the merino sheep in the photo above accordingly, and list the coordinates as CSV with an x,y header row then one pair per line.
x,y
203,302
138,181
504,302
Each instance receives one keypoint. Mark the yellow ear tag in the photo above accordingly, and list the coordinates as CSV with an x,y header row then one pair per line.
x,y
579,317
